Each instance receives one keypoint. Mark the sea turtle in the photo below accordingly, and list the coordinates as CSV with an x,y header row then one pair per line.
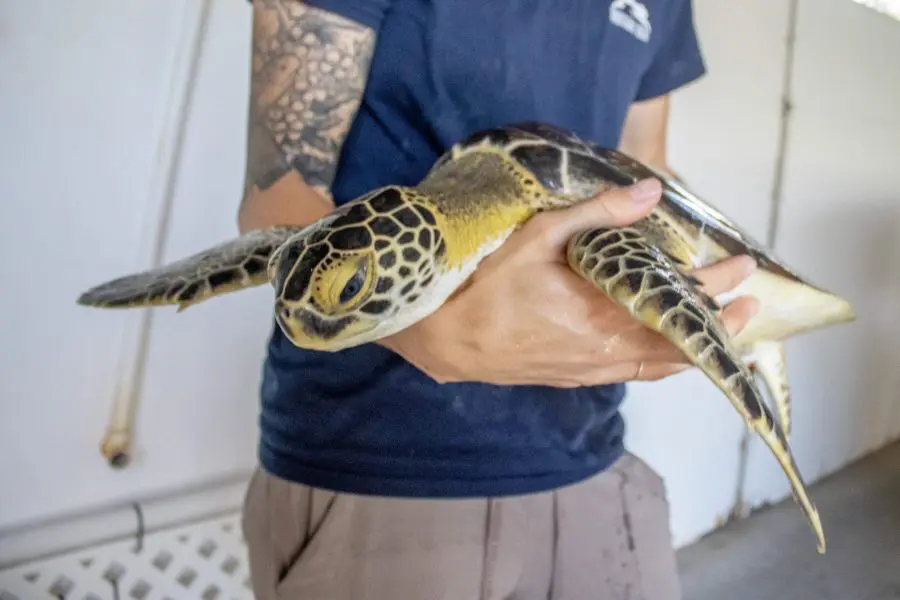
x,y
390,257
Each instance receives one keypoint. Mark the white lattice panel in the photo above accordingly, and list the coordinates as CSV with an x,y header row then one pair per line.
x,y
201,561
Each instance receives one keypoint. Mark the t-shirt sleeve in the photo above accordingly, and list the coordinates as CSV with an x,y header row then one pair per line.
x,y
368,13
678,60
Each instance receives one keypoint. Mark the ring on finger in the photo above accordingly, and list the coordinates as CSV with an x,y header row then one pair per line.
x,y
640,370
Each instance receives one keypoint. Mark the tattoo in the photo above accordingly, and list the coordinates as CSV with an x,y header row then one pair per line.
x,y
308,77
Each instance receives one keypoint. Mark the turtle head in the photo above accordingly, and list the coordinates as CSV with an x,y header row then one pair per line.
x,y
322,295
324,278
349,279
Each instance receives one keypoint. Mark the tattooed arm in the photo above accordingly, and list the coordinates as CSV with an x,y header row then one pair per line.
x,y
309,71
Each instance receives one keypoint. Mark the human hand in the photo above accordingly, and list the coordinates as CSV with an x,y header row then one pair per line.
x,y
524,318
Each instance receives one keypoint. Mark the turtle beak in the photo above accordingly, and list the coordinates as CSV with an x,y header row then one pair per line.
x,y
293,327
282,318
308,330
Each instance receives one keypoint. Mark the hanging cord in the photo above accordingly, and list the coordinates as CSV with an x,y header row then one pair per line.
x,y
787,107
162,191
139,536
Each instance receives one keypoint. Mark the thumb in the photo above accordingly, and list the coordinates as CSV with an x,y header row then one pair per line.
x,y
616,207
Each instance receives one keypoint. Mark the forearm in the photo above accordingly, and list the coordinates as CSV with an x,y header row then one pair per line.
x,y
309,70
644,135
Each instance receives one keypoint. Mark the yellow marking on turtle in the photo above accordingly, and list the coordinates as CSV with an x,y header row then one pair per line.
x,y
480,201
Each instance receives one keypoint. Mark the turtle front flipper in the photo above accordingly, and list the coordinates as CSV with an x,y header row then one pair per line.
x,y
234,265
640,277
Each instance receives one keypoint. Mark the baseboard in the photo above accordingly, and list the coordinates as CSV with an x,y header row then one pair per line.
x,y
39,540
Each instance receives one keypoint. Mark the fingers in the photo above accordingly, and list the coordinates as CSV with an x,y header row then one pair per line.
x,y
725,275
624,372
738,313
660,370
666,360
613,208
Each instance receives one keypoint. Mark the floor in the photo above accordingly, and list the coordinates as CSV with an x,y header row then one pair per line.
x,y
771,555
204,560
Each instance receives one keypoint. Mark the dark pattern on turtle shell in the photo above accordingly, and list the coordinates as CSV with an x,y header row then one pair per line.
x,y
546,152
595,167
544,131
591,167
544,162
526,131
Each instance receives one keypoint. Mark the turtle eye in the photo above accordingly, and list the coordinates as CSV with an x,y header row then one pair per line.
x,y
354,284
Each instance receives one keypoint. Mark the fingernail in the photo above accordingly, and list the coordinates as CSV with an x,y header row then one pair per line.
x,y
645,190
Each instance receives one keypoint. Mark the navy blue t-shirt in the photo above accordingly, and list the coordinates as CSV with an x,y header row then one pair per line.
x,y
364,420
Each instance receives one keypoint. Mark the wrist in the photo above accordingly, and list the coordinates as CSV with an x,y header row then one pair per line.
x,y
435,355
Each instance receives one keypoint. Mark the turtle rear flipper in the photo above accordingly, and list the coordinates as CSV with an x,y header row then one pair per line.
x,y
234,265
638,276
767,360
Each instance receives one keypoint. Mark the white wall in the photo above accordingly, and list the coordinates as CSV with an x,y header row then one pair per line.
x,y
837,224
90,124
723,141
91,113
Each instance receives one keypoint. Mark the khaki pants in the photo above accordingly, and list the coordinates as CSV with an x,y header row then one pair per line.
x,y
606,538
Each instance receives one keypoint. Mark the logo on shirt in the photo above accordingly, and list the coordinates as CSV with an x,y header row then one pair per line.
x,y
632,16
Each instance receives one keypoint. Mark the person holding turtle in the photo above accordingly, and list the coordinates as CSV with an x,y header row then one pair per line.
x,y
478,454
